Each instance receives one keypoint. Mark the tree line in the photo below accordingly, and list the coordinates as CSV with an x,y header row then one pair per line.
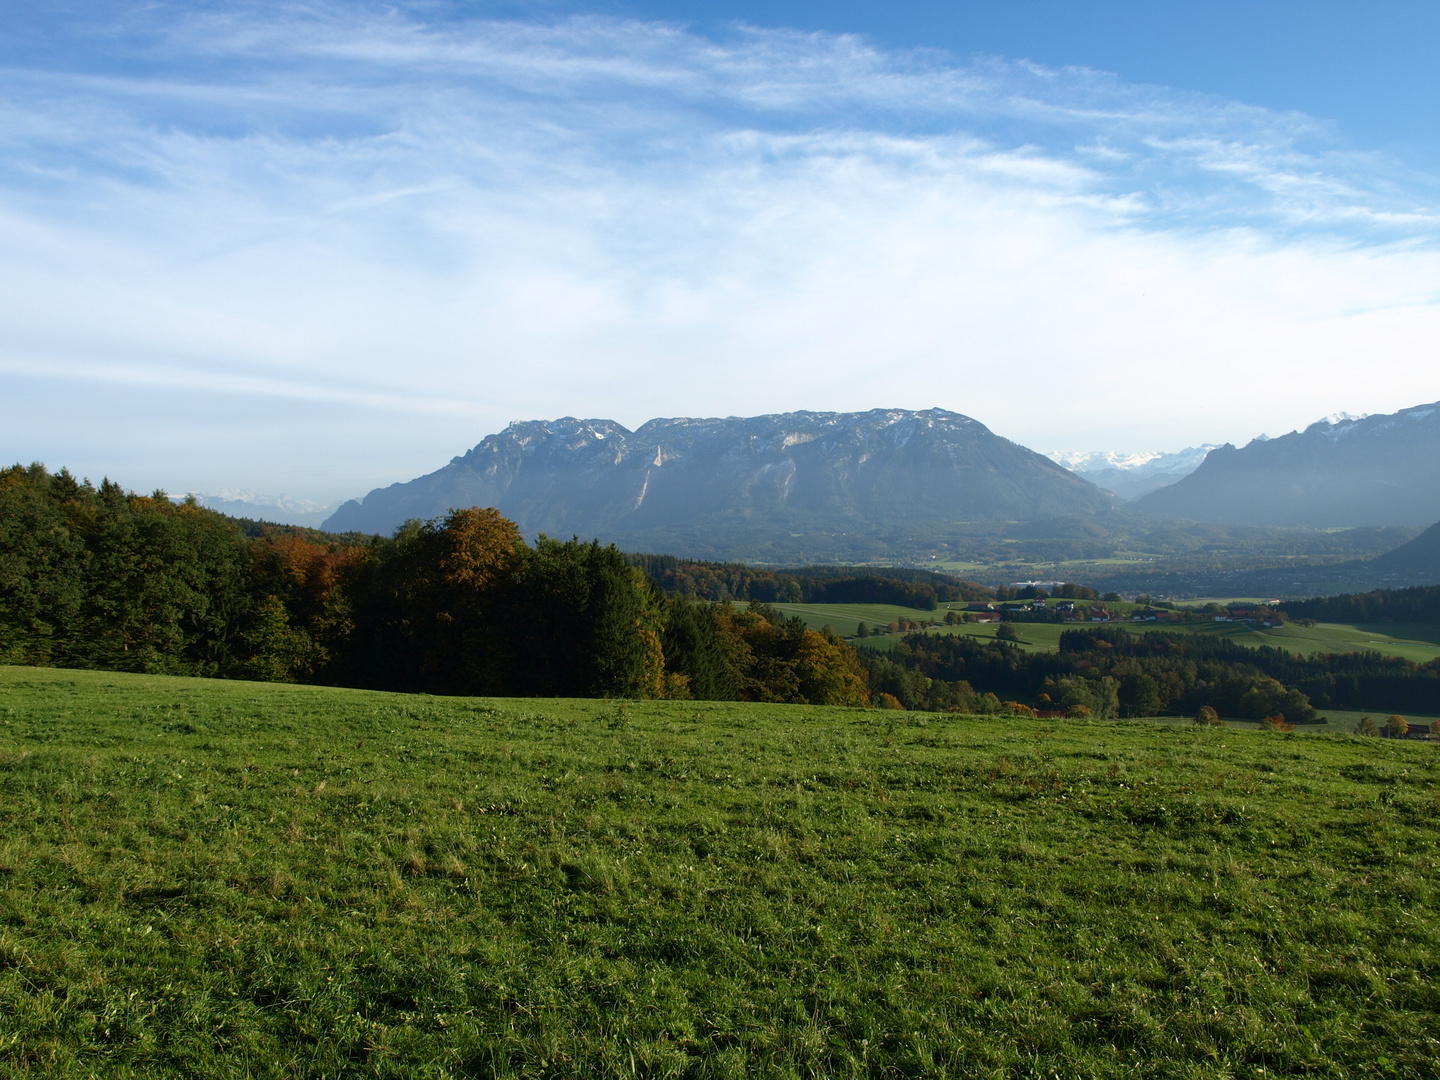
x,y
1420,604
1105,671
101,577
715,581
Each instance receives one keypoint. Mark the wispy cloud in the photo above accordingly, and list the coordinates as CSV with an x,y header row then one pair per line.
x,y
472,221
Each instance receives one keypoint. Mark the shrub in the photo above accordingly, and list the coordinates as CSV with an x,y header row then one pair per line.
x,y
1207,715
888,701
988,705
1367,726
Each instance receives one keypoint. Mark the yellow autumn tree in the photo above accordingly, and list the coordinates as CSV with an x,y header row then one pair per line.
x,y
655,682
829,671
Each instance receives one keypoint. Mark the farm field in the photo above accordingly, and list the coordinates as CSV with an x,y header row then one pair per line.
x,y
1346,719
241,879
1411,642
844,619
1417,642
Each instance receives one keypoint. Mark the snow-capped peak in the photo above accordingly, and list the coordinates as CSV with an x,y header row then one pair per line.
x,y
1143,461
221,496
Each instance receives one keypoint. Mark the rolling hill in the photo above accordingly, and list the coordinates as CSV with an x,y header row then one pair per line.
x,y
1418,561
206,878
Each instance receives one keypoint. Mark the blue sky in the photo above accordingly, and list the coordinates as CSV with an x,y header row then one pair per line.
x,y
313,248
1367,68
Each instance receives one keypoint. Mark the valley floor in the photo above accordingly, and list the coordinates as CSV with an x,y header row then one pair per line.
x,y
240,879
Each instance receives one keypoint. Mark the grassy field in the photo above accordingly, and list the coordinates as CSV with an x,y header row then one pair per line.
x,y
1346,719
1417,642
1420,643
845,618
231,879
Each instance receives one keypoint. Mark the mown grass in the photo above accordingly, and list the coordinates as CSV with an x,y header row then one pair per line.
x,y
229,879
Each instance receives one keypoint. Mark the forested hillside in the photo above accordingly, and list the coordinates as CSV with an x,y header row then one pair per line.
x,y
807,585
103,578
1418,604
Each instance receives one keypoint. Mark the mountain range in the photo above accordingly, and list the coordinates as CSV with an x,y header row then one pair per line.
x,y
1132,475
896,484
1338,472
279,508
743,486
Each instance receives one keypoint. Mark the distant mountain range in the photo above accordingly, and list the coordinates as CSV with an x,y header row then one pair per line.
x,y
1132,475
894,484
1339,472
759,487
279,509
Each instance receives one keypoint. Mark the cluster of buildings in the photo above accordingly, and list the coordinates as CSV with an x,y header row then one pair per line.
x,y
1262,615
1066,609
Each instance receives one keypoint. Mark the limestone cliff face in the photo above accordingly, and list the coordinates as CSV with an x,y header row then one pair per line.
x,y
1377,470
887,469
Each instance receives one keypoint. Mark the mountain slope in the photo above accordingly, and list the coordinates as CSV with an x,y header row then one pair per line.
x,y
1376,470
741,485
1419,560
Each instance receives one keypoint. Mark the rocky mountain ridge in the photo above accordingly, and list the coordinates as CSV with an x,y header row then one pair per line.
x,y
741,486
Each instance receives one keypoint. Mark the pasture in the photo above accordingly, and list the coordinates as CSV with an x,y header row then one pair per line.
x,y
1417,642
240,879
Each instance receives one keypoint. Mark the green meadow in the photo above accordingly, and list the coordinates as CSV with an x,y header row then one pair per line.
x,y
1417,642
226,879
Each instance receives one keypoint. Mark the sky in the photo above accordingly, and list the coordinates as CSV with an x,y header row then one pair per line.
x,y
314,248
